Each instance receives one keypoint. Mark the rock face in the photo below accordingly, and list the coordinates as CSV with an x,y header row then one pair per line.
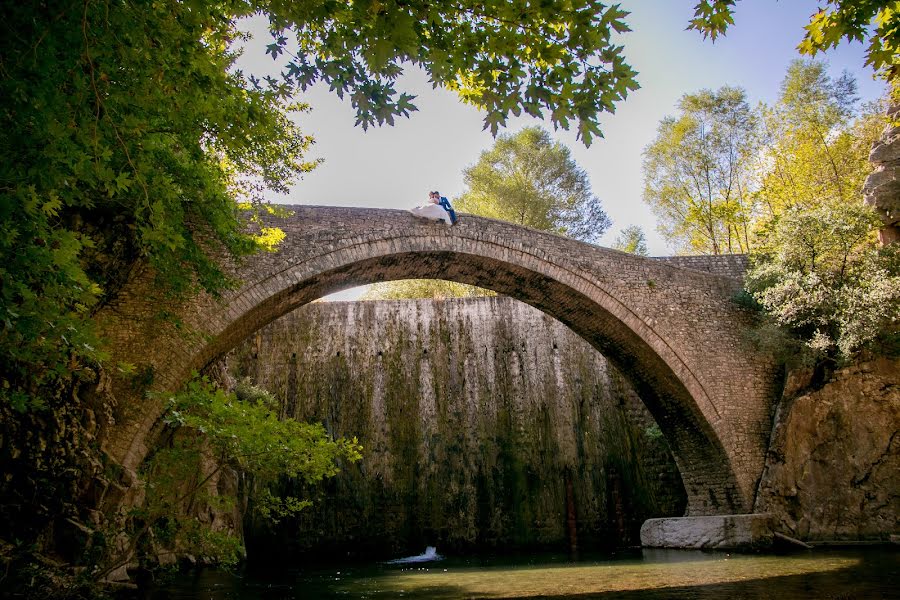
x,y
833,469
485,424
882,188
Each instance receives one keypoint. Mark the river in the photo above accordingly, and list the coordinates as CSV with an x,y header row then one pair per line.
x,y
870,572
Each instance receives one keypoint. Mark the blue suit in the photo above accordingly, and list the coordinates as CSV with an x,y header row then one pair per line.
x,y
445,204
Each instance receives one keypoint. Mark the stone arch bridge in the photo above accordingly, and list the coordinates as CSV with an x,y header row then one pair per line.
x,y
674,332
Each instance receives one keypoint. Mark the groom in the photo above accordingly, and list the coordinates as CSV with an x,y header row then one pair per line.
x,y
445,204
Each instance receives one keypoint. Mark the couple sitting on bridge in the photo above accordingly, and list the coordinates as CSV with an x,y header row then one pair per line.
x,y
437,209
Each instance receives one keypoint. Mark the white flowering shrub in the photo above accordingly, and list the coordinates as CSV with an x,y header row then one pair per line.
x,y
821,274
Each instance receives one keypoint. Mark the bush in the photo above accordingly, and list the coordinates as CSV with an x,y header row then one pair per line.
x,y
822,276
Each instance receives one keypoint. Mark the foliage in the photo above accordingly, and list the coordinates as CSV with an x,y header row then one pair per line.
x,y
122,125
631,239
250,436
141,134
814,148
828,290
531,180
26,573
697,172
44,298
246,391
718,174
822,275
877,21
422,288
713,17
653,432
527,179
503,57
796,172
212,429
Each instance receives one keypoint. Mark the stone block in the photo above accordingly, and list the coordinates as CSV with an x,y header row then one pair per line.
x,y
720,532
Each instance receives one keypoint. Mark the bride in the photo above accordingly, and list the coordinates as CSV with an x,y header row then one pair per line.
x,y
433,210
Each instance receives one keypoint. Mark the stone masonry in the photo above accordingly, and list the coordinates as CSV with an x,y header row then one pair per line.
x,y
674,332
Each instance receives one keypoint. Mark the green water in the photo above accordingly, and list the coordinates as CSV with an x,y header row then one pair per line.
x,y
837,574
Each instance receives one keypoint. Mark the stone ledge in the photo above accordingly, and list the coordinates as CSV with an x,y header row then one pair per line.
x,y
722,532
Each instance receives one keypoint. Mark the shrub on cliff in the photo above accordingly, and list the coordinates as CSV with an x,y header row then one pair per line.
x,y
822,275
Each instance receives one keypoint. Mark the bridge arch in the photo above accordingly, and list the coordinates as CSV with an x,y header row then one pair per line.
x,y
674,332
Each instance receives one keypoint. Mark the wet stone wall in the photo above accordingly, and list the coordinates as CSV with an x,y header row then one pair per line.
x,y
486,426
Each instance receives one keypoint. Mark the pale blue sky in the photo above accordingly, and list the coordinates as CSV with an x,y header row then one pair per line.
x,y
394,167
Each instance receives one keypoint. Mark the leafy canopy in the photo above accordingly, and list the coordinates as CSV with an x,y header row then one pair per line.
x,y
632,240
125,136
127,133
212,429
718,173
526,178
249,433
555,58
875,21
815,141
794,171
817,269
437,289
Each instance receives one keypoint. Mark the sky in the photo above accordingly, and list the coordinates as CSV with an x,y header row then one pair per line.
x,y
395,166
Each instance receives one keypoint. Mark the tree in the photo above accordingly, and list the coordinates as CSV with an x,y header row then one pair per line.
x,y
810,148
854,20
527,179
631,239
815,149
531,180
823,277
503,57
128,134
241,430
697,173
140,139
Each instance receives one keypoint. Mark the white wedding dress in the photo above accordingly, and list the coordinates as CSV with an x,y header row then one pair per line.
x,y
434,212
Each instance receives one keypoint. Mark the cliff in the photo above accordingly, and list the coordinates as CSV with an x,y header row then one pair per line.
x,y
882,187
833,468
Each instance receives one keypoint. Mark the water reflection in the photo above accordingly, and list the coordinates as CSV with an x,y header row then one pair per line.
x,y
863,573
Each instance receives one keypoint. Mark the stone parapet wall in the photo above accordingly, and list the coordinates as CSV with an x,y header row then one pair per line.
x,y
733,266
